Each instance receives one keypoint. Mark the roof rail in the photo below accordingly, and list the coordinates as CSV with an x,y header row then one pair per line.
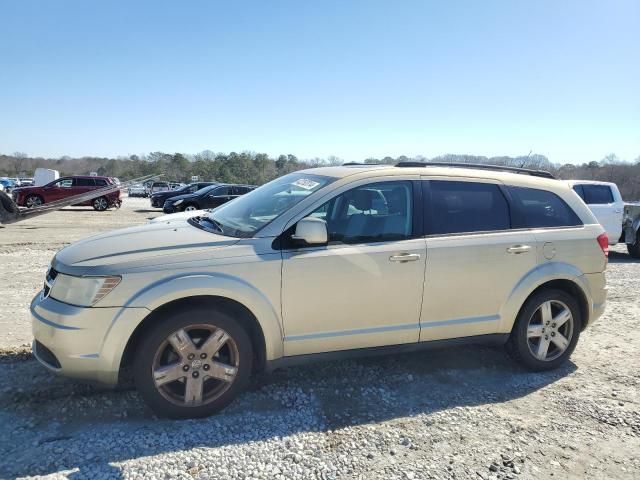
x,y
359,164
480,166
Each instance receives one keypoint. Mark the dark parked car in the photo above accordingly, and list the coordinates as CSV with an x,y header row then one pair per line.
x,y
208,197
158,198
67,187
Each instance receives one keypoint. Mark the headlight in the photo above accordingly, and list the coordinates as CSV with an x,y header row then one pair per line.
x,y
179,202
82,291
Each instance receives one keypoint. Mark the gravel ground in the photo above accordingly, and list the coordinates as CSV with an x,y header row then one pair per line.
x,y
465,413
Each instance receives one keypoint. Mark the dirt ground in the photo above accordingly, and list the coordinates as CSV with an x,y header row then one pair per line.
x,y
465,413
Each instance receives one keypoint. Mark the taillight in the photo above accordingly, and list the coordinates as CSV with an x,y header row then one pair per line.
x,y
603,241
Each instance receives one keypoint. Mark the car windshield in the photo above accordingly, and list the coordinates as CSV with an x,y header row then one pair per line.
x,y
249,213
204,189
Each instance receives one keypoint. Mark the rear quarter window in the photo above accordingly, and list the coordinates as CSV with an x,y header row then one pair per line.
x,y
540,208
597,194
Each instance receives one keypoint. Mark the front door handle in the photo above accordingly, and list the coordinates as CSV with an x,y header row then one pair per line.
x,y
517,249
405,257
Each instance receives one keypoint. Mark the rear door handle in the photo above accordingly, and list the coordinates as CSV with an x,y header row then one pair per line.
x,y
517,249
405,257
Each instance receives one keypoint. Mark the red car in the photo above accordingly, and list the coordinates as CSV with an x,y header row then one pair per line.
x,y
67,187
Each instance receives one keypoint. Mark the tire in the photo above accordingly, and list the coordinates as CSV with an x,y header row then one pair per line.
x,y
634,250
7,204
530,330
100,204
177,371
33,201
189,207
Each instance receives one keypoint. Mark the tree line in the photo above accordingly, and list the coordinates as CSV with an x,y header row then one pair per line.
x,y
258,168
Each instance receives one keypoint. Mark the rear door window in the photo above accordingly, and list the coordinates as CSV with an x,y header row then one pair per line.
x,y
84,182
578,189
465,207
541,208
597,194
101,182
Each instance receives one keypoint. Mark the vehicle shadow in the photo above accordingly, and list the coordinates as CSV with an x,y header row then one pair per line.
x,y
621,257
84,430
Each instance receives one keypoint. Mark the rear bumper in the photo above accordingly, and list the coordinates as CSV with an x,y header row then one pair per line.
x,y
596,286
82,343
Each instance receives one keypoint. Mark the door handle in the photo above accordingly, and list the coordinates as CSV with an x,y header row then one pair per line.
x,y
405,257
518,249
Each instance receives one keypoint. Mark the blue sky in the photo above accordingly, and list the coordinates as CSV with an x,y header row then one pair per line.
x,y
352,79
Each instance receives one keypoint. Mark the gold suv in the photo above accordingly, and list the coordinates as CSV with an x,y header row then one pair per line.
x,y
326,263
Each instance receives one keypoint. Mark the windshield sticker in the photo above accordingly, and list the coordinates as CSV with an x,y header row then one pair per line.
x,y
306,184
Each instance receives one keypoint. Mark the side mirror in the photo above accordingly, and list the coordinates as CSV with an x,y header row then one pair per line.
x,y
311,231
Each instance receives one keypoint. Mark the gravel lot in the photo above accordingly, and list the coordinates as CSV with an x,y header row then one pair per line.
x,y
465,413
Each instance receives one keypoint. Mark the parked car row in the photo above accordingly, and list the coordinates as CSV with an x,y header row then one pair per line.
x,y
7,184
211,196
159,197
67,187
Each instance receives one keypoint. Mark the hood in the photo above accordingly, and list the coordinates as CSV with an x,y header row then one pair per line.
x,y
180,216
134,247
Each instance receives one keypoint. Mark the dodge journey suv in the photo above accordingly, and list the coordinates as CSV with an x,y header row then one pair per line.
x,y
326,263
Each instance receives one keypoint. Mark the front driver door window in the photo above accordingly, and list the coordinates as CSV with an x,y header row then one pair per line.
x,y
363,289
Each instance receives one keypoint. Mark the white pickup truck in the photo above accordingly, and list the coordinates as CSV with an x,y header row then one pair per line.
x,y
621,220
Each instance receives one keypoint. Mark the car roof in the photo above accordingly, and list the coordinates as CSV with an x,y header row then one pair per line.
x,y
364,170
589,182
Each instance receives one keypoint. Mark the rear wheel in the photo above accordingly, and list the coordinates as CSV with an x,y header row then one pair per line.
x,y
100,204
190,208
634,250
546,331
33,201
193,364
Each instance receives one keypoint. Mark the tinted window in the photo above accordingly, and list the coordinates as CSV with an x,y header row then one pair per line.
x,y
220,191
579,191
101,182
83,182
597,194
540,208
371,213
240,190
460,207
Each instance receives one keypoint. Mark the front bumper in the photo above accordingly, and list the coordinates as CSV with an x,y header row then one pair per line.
x,y
82,343
170,208
157,202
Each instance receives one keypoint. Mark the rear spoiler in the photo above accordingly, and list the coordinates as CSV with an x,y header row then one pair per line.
x,y
11,213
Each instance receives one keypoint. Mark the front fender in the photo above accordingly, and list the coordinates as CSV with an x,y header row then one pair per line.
x,y
178,287
535,278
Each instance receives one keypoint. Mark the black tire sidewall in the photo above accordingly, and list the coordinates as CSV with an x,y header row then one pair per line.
x,y
158,333
519,342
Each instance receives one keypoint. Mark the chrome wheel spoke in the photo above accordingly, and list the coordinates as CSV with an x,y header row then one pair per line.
x,y
534,331
545,311
562,318
223,372
181,342
543,348
560,341
215,342
168,373
193,390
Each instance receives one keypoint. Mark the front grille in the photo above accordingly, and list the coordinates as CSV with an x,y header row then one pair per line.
x,y
45,355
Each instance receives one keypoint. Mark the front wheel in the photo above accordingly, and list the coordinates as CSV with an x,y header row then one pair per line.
x,y
546,330
193,364
33,201
190,208
100,204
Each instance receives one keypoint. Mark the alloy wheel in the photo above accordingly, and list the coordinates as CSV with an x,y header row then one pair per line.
x,y
33,201
190,208
100,203
550,330
195,365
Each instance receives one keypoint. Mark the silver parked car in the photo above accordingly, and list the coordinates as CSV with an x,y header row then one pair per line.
x,y
326,263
